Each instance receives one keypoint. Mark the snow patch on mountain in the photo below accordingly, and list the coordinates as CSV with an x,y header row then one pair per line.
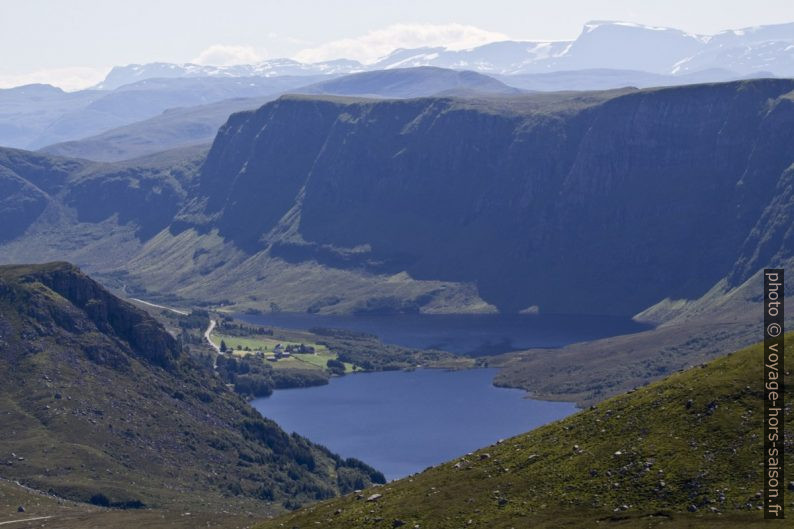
x,y
602,44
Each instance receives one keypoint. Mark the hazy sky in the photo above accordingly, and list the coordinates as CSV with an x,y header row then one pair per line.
x,y
72,43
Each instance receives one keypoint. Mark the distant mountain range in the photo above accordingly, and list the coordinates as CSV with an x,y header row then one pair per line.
x,y
199,98
761,50
132,73
33,116
193,125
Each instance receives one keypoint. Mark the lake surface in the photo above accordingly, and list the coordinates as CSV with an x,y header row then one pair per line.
x,y
402,422
470,334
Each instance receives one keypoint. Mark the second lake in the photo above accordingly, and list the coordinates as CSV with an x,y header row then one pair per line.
x,y
468,334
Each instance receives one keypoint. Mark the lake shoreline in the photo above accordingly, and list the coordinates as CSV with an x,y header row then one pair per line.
x,y
498,336
401,422
527,394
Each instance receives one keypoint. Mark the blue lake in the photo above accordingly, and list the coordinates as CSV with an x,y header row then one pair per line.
x,y
402,422
474,334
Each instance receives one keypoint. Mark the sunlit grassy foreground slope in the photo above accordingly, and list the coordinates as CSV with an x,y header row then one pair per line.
x,y
682,452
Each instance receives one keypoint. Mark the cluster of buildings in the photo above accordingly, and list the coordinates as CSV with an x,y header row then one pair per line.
x,y
280,351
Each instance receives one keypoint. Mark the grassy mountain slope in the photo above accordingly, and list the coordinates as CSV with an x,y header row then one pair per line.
x,y
101,406
689,332
409,82
87,212
42,510
588,372
682,452
177,127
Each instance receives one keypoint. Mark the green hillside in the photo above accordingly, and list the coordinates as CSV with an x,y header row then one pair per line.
x,y
99,405
682,452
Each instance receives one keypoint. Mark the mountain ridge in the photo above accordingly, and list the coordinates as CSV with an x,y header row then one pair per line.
x,y
192,125
684,52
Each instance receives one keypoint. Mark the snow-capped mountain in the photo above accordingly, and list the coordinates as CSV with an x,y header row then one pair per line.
x,y
622,46
504,58
762,50
132,73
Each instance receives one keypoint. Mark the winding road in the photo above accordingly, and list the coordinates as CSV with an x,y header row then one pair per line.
x,y
180,312
207,333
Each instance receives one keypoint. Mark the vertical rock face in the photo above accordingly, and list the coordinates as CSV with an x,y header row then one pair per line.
x,y
258,164
112,316
595,203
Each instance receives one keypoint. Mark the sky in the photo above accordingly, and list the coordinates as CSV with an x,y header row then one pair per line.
x,y
74,43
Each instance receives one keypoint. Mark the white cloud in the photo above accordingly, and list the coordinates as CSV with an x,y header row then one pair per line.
x,y
229,55
74,78
375,44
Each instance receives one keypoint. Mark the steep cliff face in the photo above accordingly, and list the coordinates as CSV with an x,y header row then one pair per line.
x,y
137,333
600,202
594,203
258,164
